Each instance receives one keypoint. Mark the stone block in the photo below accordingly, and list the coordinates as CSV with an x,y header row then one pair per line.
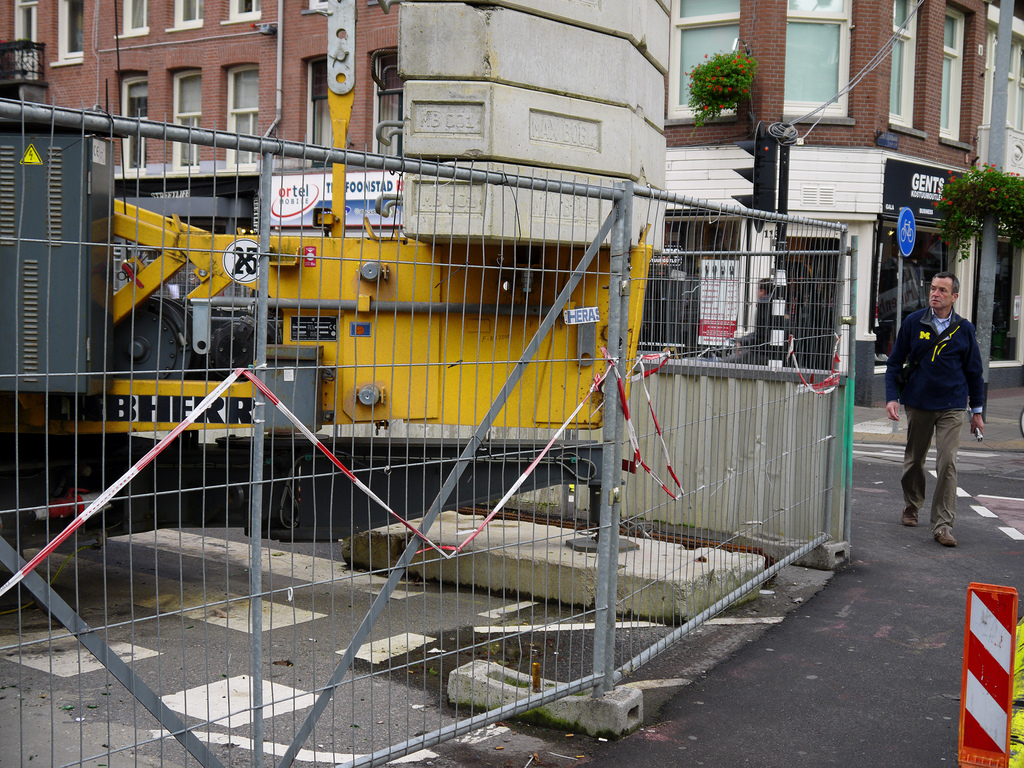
x,y
645,23
531,52
502,123
486,685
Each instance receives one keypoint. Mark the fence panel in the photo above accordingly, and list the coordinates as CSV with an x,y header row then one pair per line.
x,y
293,486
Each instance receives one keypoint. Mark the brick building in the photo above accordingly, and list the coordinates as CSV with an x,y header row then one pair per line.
x,y
905,123
238,65
888,142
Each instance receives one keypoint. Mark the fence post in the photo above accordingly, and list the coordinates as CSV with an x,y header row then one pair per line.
x,y
611,474
256,495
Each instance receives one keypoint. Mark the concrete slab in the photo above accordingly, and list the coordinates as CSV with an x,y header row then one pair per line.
x,y
645,23
514,48
503,123
657,580
487,685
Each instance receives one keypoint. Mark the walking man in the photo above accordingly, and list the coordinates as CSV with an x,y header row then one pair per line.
x,y
946,374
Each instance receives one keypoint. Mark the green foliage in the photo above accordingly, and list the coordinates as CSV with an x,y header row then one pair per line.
x,y
719,83
968,199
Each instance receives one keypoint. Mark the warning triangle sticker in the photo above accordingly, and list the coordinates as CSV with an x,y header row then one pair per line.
x,y
31,156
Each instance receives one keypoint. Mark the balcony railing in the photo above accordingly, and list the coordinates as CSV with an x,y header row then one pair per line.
x,y
1013,160
21,60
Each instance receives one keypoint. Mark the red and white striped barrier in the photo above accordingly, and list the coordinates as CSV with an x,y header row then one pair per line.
x,y
986,691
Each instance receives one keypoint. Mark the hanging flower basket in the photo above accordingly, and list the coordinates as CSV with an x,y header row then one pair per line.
x,y
719,83
967,199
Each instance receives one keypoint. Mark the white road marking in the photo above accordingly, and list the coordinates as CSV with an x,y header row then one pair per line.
x,y
235,615
962,494
492,630
497,613
228,703
746,620
983,511
934,474
269,748
644,685
1013,533
67,658
1001,498
381,650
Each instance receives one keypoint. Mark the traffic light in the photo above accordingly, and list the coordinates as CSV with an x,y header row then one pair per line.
x,y
762,174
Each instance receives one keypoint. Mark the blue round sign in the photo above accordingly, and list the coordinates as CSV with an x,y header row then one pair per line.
x,y
906,231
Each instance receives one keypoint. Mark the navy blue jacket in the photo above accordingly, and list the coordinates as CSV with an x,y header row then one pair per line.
x,y
947,377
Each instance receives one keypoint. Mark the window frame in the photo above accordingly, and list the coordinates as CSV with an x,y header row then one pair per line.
x,y
31,8
235,15
908,38
840,107
179,116
382,72
678,109
241,159
129,141
313,118
64,53
128,30
180,22
951,90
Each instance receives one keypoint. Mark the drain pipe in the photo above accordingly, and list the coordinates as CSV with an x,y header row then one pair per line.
x,y
280,69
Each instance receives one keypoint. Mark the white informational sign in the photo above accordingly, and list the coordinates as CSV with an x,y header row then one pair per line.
x,y
1016,307
581,315
719,301
295,196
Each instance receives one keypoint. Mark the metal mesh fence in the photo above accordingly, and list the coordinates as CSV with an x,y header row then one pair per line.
x,y
293,485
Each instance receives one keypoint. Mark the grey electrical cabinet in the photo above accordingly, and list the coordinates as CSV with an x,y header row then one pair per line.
x,y
55,202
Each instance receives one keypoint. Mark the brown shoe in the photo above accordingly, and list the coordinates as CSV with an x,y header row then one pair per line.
x,y
945,536
909,517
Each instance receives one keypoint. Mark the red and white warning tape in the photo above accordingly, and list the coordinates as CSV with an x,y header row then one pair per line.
x,y
826,385
104,498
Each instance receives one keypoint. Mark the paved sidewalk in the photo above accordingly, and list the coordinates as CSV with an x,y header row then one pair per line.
x,y
1002,424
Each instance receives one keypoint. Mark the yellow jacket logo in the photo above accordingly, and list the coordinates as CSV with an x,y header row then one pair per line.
x,y
926,335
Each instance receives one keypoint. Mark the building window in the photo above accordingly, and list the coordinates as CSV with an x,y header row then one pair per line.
x,y
25,20
136,97
388,104
901,83
817,55
699,27
243,108
952,75
319,118
188,13
136,17
243,10
70,28
188,110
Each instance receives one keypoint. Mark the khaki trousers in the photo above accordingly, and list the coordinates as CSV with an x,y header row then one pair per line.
x,y
946,425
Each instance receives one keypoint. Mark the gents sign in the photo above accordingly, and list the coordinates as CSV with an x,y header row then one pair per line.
x,y
914,186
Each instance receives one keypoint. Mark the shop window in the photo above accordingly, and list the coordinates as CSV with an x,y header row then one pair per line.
x,y
700,27
817,55
1005,304
900,285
